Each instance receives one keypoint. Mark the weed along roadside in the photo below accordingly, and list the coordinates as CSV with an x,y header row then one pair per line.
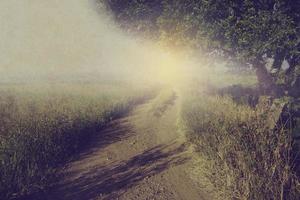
x,y
243,151
41,129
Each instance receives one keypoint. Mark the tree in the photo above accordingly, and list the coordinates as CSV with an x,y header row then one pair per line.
x,y
248,31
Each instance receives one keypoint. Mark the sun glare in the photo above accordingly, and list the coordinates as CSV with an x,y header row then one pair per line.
x,y
169,68
167,65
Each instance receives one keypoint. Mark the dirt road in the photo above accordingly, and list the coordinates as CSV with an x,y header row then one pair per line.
x,y
139,157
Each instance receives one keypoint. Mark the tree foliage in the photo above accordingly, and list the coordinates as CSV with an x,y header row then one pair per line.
x,y
248,31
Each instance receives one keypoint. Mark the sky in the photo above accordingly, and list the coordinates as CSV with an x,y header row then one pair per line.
x,y
73,39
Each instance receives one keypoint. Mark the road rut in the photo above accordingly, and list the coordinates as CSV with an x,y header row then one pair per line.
x,y
139,157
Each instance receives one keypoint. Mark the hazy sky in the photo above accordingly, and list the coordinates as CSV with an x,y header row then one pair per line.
x,y
58,37
69,39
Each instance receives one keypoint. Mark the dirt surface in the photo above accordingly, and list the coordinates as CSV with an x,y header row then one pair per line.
x,y
141,156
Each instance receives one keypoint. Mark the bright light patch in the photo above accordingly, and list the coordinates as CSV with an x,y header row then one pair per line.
x,y
169,68
68,40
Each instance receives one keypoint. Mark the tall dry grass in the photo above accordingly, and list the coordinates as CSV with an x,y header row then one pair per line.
x,y
240,156
43,126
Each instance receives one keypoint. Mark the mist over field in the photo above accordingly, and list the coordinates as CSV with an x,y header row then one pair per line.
x,y
61,40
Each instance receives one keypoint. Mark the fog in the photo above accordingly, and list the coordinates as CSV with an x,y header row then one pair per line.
x,y
73,39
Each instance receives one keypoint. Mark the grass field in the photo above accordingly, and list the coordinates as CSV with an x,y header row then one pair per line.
x,y
43,125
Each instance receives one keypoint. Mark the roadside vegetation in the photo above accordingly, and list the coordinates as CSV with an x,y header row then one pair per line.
x,y
244,152
42,126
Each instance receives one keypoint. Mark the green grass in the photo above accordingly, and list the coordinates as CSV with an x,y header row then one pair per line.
x,y
42,126
239,154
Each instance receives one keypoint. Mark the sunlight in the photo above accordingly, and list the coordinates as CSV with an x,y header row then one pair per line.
x,y
163,65
169,68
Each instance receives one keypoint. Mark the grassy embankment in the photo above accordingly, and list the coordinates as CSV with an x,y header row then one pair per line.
x,y
240,155
43,126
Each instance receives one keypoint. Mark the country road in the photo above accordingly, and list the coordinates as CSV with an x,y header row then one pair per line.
x,y
141,156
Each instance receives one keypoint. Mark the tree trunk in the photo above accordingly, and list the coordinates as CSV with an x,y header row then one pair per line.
x,y
267,85
293,78
264,78
294,90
